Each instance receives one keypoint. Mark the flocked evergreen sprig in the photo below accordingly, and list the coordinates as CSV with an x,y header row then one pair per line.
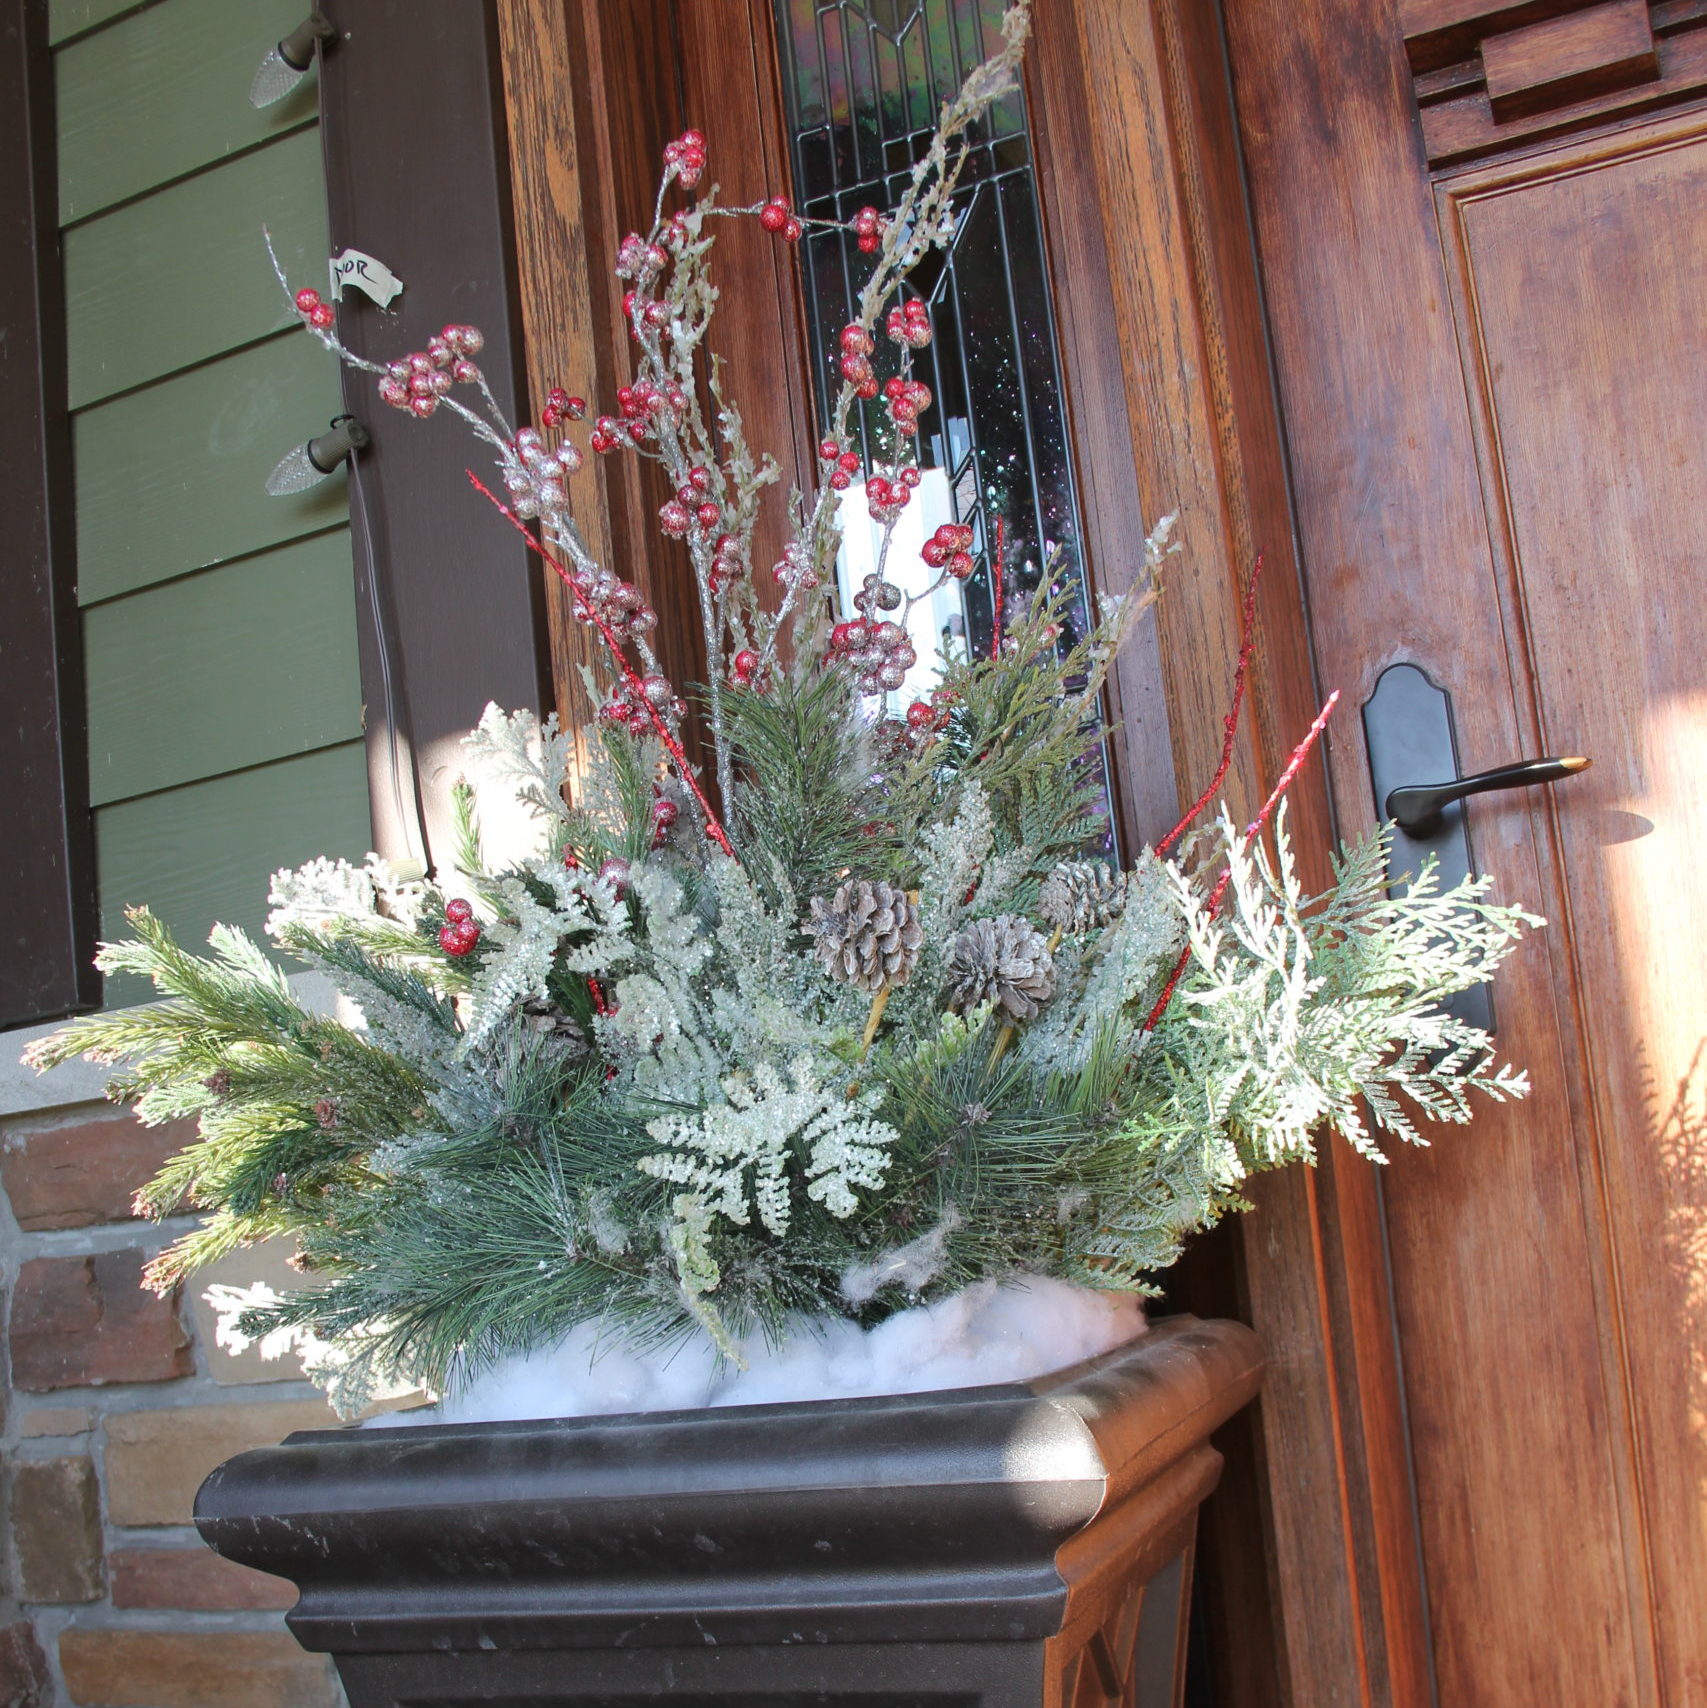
x,y
860,1017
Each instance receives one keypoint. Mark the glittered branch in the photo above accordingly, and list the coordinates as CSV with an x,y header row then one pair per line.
x,y
1247,647
585,611
1294,764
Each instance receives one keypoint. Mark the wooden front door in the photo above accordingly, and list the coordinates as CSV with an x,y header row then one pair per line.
x,y
1481,230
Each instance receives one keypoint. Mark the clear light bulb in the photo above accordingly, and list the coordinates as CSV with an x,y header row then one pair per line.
x,y
295,472
289,60
309,464
274,79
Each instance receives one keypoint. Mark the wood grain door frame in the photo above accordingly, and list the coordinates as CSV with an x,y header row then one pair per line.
x,y
1310,1552
47,851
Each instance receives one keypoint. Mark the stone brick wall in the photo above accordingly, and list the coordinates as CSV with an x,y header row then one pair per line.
x,y
115,1405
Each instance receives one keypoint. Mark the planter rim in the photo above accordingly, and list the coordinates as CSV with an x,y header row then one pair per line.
x,y
925,1517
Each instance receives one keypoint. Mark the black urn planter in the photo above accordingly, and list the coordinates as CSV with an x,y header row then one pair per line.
x,y
1001,1547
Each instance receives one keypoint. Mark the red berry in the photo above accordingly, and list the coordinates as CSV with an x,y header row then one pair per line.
x,y
708,515
961,565
919,715
841,480
934,552
849,462
791,232
664,812
458,911
423,408
307,299
745,663
460,938
869,245
773,216
321,316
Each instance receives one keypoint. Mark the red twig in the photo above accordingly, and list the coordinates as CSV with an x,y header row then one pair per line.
x,y
585,611
996,576
1294,764
1247,646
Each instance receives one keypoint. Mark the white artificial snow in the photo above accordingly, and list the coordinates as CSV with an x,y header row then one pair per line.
x,y
989,1333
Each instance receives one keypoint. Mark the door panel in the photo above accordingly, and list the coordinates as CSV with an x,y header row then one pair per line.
x,y
1493,390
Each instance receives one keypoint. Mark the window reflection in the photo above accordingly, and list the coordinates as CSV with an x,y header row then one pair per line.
x,y
864,80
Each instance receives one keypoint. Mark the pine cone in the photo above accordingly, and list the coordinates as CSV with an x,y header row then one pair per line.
x,y
551,1025
1082,895
868,935
1004,960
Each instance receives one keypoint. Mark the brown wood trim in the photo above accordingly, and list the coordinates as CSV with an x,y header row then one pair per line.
x,y
450,608
1164,321
47,856
593,90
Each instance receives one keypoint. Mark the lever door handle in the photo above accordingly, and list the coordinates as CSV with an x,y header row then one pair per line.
x,y
1407,724
1416,808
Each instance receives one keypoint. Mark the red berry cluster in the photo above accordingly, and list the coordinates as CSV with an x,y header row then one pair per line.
x,y
665,812
561,407
417,381
909,324
535,477
879,653
638,259
857,370
794,568
617,604
744,667
777,217
886,498
687,155
632,704
868,226
318,314
692,509
727,563
908,399
950,548
460,933
842,465
926,717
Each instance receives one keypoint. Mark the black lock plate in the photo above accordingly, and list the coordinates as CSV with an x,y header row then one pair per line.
x,y
1407,727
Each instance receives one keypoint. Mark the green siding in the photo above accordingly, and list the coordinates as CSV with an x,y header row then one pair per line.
x,y
219,626
67,18
202,854
173,477
180,276
270,646
164,92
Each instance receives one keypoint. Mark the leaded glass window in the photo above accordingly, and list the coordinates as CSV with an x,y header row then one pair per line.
x,y
864,81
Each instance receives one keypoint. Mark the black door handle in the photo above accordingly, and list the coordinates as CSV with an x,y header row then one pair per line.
x,y
1416,808
1407,724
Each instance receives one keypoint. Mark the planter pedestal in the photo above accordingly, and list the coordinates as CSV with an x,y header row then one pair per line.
x,y
1003,1547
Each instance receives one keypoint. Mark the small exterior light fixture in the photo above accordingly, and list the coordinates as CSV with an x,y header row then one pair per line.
x,y
288,63
311,463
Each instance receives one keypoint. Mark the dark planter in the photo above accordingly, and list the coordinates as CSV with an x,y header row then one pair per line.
x,y
1004,1547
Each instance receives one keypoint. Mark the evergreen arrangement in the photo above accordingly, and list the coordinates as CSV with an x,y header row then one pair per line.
x,y
862,1015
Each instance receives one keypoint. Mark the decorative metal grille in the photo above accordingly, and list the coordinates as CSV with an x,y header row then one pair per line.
x,y
864,81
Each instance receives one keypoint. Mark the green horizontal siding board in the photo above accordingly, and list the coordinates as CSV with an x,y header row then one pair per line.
x,y
173,477
203,854
72,17
223,671
164,92
182,276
